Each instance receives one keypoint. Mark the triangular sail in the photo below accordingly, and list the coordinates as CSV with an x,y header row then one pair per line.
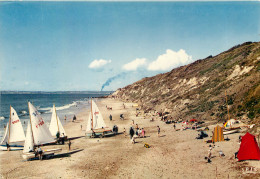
x,y
55,124
15,133
5,138
16,128
98,121
41,133
28,144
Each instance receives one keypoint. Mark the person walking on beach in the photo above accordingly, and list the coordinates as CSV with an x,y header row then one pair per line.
x,y
110,117
69,144
81,126
131,132
158,130
65,118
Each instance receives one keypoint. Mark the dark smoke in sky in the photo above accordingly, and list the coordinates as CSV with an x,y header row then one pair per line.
x,y
109,80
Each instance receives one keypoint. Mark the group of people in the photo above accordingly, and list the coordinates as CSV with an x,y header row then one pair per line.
x,y
137,133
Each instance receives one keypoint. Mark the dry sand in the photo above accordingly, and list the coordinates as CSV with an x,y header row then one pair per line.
x,y
175,154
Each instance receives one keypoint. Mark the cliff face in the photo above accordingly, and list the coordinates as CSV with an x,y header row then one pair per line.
x,y
197,90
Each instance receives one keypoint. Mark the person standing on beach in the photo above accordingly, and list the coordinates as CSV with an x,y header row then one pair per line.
x,y
143,133
81,126
158,130
65,118
124,131
7,146
74,118
69,144
110,117
131,132
39,151
58,135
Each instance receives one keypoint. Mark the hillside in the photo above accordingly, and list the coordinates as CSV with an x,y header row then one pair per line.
x,y
197,90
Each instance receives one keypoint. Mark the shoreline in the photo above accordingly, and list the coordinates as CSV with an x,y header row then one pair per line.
x,y
175,154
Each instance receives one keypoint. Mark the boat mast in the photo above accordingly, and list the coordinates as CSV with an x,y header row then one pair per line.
x,y
91,115
9,125
227,104
56,117
31,125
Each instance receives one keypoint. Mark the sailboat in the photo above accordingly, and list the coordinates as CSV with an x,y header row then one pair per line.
x,y
55,125
14,134
37,134
96,125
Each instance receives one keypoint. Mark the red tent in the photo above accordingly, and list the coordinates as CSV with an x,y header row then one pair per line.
x,y
193,120
249,149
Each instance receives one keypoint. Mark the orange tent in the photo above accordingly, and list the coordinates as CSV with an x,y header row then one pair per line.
x,y
218,134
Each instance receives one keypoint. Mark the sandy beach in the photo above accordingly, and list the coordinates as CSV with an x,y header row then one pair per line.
x,y
175,154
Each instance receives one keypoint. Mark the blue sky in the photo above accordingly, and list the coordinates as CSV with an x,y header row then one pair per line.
x,y
82,45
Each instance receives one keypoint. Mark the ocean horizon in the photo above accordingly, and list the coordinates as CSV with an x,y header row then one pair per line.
x,y
67,103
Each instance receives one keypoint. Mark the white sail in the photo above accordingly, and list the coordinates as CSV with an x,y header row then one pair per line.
x,y
55,124
89,122
5,138
16,128
15,133
41,133
28,144
98,121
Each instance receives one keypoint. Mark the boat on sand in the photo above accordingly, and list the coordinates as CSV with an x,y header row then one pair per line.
x,y
96,126
37,134
14,134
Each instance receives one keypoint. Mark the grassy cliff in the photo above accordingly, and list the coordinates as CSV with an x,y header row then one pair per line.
x,y
198,90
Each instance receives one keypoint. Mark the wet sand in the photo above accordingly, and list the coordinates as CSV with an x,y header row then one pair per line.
x,y
175,154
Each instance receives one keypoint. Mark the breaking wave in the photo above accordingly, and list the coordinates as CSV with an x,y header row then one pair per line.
x,y
2,117
49,109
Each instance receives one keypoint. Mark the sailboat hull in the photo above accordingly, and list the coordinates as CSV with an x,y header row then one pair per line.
x,y
46,154
99,133
4,148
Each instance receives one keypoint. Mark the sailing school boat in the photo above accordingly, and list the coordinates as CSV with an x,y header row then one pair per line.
x,y
55,125
96,126
37,133
14,134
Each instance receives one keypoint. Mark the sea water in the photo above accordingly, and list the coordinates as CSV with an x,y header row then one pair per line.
x,y
67,104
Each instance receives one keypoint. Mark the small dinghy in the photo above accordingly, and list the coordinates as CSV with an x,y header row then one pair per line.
x,y
14,134
37,134
96,126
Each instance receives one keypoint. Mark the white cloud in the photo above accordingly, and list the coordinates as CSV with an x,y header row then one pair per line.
x,y
98,63
133,65
170,60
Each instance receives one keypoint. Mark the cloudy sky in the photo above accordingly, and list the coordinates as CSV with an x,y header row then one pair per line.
x,y
96,45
